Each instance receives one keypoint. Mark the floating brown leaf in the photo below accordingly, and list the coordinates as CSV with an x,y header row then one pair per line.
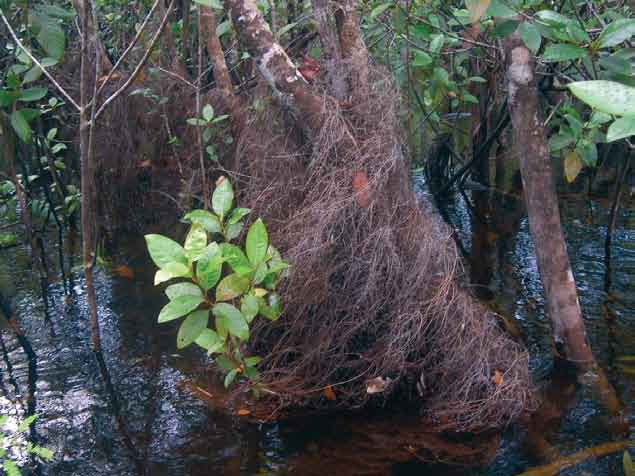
x,y
329,393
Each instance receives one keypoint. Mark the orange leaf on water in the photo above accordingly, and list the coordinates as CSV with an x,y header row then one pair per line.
x,y
124,271
329,393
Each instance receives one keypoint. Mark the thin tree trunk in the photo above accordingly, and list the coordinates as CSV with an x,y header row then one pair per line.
x,y
87,177
185,30
354,51
331,53
530,143
273,62
87,21
215,51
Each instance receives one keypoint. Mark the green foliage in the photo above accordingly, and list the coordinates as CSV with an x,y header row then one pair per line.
x,y
208,121
233,283
15,449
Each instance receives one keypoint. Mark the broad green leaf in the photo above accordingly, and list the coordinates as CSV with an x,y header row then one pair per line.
x,y
559,142
209,267
261,273
50,35
499,9
588,152
285,29
379,9
24,425
231,287
620,129
182,289
191,328
171,271
195,242
236,259
210,341
32,94
572,166
553,18
179,307
30,114
251,361
233,231
195,121
506,28
33,74
223,28
617,32
42,452
223,197
7,98
257,242
422,59
606,96
237,214
21,126
249,307
206,219
230,377
163,250
437,43
563,52
208,113
530,36
232,320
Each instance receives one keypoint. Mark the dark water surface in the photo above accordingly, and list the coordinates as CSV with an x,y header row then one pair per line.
x,y
131,410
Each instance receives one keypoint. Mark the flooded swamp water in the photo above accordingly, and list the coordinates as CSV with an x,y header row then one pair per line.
x,y
131,410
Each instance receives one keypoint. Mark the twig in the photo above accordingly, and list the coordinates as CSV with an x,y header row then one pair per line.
x,y
34,59
129,48
141,64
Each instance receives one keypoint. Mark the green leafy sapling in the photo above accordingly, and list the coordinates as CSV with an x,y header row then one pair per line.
x,y
208,122
231,284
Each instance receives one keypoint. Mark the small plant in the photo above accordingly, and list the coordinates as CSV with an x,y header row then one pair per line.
x,y
208,120
236,284
15,449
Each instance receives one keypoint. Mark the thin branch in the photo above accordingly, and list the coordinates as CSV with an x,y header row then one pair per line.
x,y
34,59
129,48
141,64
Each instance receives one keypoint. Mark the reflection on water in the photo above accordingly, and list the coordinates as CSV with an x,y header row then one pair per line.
x,y
132,413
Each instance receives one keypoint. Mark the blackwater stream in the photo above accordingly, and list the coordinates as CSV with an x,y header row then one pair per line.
x,y
131,411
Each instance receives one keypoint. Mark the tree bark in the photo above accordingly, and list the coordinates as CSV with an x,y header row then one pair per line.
x,y
92,33
354,49
530,142
215,51
331,52
273,62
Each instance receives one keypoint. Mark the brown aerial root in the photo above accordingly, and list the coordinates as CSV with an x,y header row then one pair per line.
x,y
374,288
552,469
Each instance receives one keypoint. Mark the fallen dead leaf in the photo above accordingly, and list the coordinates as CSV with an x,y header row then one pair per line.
x,y
243,412
329,393
123,271
377,385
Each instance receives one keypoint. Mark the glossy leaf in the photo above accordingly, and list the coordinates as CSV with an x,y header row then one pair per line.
x,y
233,231
195,242
209,267
21,126
206,219
621,129
530,36
249,307
208,113
191,328
32,94
179,307
223,197
617,32
257,242
563,52
236,259
232,320
237,214
171,271
231,287
164,250
210,341
230,377
182,289
606,96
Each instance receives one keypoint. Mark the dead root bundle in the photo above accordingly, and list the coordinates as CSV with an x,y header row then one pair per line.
x,y
373,307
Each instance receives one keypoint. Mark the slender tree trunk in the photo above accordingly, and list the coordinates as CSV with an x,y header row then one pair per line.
x,y
530,142
87,21
354,51
331,52
87,177
185,29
